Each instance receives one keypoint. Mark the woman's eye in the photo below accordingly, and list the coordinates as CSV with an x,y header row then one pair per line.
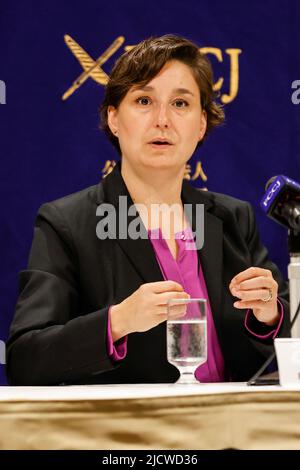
x,y
181,103
143,100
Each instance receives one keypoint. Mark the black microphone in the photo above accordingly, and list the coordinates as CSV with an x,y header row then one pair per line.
x,y
281,201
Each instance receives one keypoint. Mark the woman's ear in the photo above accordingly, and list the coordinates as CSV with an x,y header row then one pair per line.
x,y
203,124
112,119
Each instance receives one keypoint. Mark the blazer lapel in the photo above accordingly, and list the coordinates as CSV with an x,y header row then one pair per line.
x,y
139,252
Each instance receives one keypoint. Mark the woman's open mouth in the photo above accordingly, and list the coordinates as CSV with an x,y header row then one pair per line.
x,y
160,144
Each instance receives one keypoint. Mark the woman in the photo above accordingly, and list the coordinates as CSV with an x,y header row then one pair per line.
x,y
93,302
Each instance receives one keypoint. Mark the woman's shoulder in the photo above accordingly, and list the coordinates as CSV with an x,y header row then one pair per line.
x,y
84,196
230,209
75,207
226,200
214,199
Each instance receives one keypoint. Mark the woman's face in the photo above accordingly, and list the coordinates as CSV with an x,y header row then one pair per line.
x,y
160,124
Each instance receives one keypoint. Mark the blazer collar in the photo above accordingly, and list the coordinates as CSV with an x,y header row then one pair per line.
x,y
140,252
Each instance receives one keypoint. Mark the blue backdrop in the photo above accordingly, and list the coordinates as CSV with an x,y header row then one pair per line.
x,y
50,147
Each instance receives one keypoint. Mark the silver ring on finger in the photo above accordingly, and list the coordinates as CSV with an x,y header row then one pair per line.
x,y
270,296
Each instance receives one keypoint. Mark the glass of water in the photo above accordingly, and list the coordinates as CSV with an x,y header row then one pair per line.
x,y
187,337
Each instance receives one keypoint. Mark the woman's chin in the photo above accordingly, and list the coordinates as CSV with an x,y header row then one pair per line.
x,y
160,162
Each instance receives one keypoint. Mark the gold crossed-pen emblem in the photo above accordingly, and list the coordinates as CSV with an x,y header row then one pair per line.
x,y
92,68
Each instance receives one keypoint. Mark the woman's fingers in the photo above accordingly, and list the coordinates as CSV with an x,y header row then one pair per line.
x,y
173,311
250,304
253,288
250,273
256,289
163,286
255,283
256,294
164,298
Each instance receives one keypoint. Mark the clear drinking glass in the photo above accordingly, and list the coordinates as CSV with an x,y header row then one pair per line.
x,y
187,338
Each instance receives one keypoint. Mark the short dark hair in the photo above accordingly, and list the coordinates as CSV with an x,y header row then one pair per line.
x,y
144,61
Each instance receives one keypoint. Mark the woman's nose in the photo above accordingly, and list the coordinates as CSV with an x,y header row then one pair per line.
x,y
162,117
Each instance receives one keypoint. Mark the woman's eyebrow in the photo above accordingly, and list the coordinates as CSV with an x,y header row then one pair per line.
x,y
182,91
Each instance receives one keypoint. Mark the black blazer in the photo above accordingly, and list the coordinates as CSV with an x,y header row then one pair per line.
x,y
58,334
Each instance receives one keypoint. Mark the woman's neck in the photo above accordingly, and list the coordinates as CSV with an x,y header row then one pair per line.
x,y
155,186
157,195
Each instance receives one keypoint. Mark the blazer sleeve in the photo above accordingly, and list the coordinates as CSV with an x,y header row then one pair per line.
x,y
259,256
50,341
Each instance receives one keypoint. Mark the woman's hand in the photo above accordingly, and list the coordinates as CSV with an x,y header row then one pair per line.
x,y
146,308
257,290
